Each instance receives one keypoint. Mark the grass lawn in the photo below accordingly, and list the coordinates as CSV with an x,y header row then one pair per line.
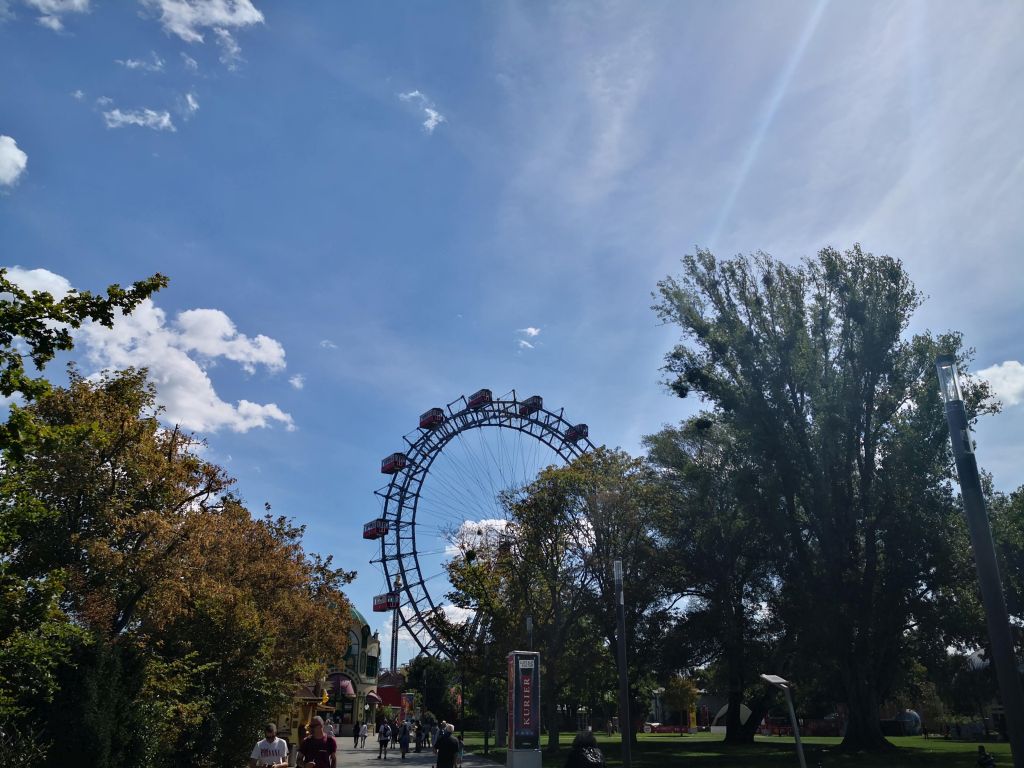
x,y
661,750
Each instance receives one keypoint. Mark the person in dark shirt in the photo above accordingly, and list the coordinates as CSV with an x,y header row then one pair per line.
x,y
318,750
447,748
585,752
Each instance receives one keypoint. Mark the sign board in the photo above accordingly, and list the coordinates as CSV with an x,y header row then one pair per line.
x,y
524,700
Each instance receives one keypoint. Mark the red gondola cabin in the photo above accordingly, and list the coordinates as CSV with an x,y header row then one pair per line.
x,y
432,419
393,463
376,529
387,602
577,433
480,398
531,405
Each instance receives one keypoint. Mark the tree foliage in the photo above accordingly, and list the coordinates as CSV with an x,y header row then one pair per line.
x,y
838,407
142,601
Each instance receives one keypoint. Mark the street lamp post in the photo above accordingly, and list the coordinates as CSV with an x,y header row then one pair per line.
x,y
784,685
997,619
624,726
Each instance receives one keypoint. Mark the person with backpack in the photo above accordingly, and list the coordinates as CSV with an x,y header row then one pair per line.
x,y
383,739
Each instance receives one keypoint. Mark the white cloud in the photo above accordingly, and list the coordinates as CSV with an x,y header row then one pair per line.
x,y
230,51
50,11
156,65
298,381
530,331
104,101
13,161
1007,380
191,105
144,118
433,117
188,18
190,64
39,280
328,344
524,344
177,354
78,95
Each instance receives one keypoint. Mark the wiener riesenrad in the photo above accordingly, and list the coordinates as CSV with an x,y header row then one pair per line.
x,y
448,480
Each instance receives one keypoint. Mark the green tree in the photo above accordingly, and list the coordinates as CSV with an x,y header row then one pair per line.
x,y
177,592
721,560
36,634
839,408
433,678
681,694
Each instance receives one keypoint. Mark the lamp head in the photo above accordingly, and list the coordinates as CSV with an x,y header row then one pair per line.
x,y
949,384
617,570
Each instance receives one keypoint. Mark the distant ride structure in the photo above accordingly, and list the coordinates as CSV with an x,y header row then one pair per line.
x,y
455,466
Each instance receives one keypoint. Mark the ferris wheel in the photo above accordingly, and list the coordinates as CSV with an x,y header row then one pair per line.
x,y
447,482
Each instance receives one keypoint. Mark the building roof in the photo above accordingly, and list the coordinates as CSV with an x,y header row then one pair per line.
x,y
358,616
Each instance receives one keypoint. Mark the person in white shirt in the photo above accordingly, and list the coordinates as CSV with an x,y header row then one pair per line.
x,y
269,751
364,731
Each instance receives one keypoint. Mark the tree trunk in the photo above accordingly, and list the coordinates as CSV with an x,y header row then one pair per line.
x,y
864,727
549,703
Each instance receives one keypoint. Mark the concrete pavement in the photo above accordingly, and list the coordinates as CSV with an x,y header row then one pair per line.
x,y
367,758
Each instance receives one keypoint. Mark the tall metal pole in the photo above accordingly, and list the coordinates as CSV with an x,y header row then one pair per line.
x,y
529,632
624,724
997,619
796,726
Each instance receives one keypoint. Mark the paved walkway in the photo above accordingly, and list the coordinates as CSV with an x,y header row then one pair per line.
x,y
367,758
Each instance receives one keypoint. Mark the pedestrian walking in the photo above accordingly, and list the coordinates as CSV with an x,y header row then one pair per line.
x,y
584,752
403,738
447,748
356,729
383,739
462,751
419,736
318,749
270,750
364,731
394,734
434,730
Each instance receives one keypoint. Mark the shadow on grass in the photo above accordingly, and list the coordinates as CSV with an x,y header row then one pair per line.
x,y
702,751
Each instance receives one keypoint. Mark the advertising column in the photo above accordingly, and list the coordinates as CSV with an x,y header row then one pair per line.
x,y
523,710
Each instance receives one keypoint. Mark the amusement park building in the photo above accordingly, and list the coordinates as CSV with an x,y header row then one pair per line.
x,y
350,686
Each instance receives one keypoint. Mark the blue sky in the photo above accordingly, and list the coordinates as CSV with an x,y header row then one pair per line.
x,y
362,206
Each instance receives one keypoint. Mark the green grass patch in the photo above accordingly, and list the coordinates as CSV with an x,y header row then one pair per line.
x,y
706,750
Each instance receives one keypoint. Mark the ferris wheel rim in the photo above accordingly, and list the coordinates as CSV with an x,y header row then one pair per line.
x,y
402,495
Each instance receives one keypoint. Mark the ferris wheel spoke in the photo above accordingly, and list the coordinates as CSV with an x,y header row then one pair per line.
x,y
453,480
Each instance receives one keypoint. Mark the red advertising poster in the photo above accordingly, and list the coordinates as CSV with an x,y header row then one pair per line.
x,y
524,699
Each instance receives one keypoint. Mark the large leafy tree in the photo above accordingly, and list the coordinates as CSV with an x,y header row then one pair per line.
x,y
35,634
721,561
553,563
837,403
190,612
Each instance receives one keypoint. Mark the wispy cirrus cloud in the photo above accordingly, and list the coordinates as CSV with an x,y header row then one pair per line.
x,y
154,64
51,12
178,353
143,118
433,117
298,381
